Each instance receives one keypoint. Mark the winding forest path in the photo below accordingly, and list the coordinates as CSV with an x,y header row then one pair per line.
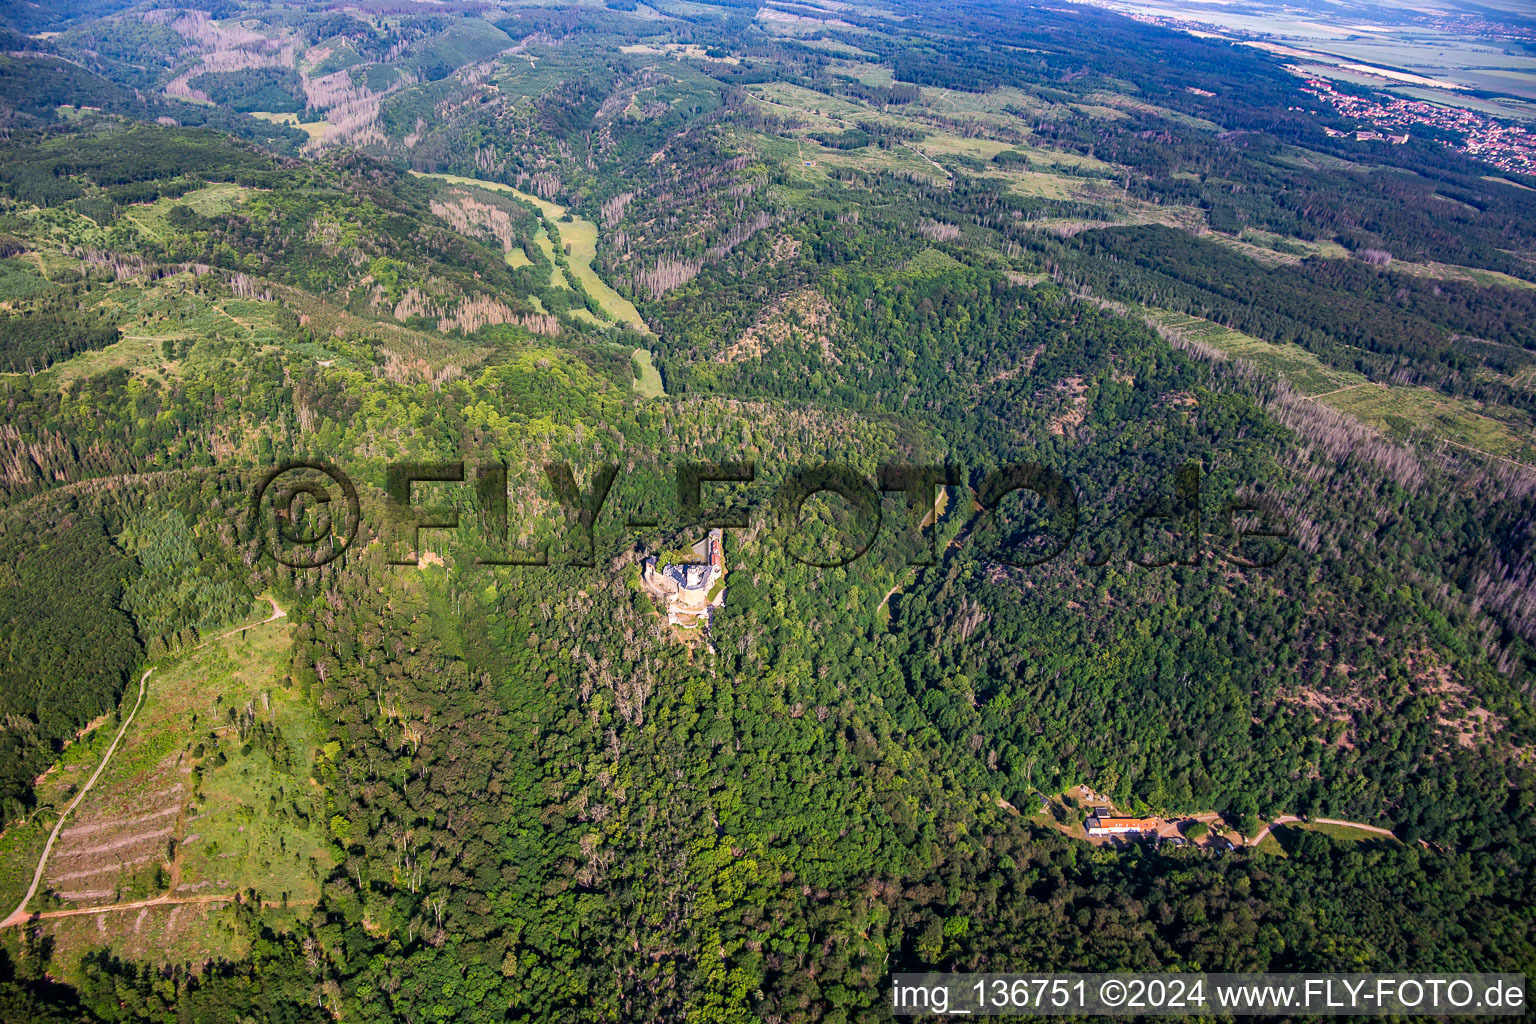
x,y
1286,819
19,915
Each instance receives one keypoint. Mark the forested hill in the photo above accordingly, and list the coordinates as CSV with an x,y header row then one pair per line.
x,y
1285,385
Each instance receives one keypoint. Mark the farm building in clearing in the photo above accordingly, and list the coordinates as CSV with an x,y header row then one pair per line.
x,y
1099,825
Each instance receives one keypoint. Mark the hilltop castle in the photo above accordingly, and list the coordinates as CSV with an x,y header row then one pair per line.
x,y
690,591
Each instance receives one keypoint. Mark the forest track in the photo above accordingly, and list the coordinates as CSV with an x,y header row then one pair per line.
x,y
1288,819
1490,455
1354,824
936,165
1284,819
1348,387
20,915
166,900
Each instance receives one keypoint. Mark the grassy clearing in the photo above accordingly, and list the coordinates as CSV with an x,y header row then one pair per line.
x,y
937,150
809,101
1347,833
1271,846
1506,181
863,71
1301,368
139,356
834,46
1468,275
219,198
1128,104
1276,250
1284,834
20,846
1044,185
1394,411
459,179
896,160
1494,430
1121,213
679,50
1261,253
1281,243
198,327
647,378
826,112
580,235
314,129
548,248
255,821
807,161
956,145
803,105
994,105
784,23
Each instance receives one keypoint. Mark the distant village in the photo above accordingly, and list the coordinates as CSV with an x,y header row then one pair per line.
x,y
690,591
1509,147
